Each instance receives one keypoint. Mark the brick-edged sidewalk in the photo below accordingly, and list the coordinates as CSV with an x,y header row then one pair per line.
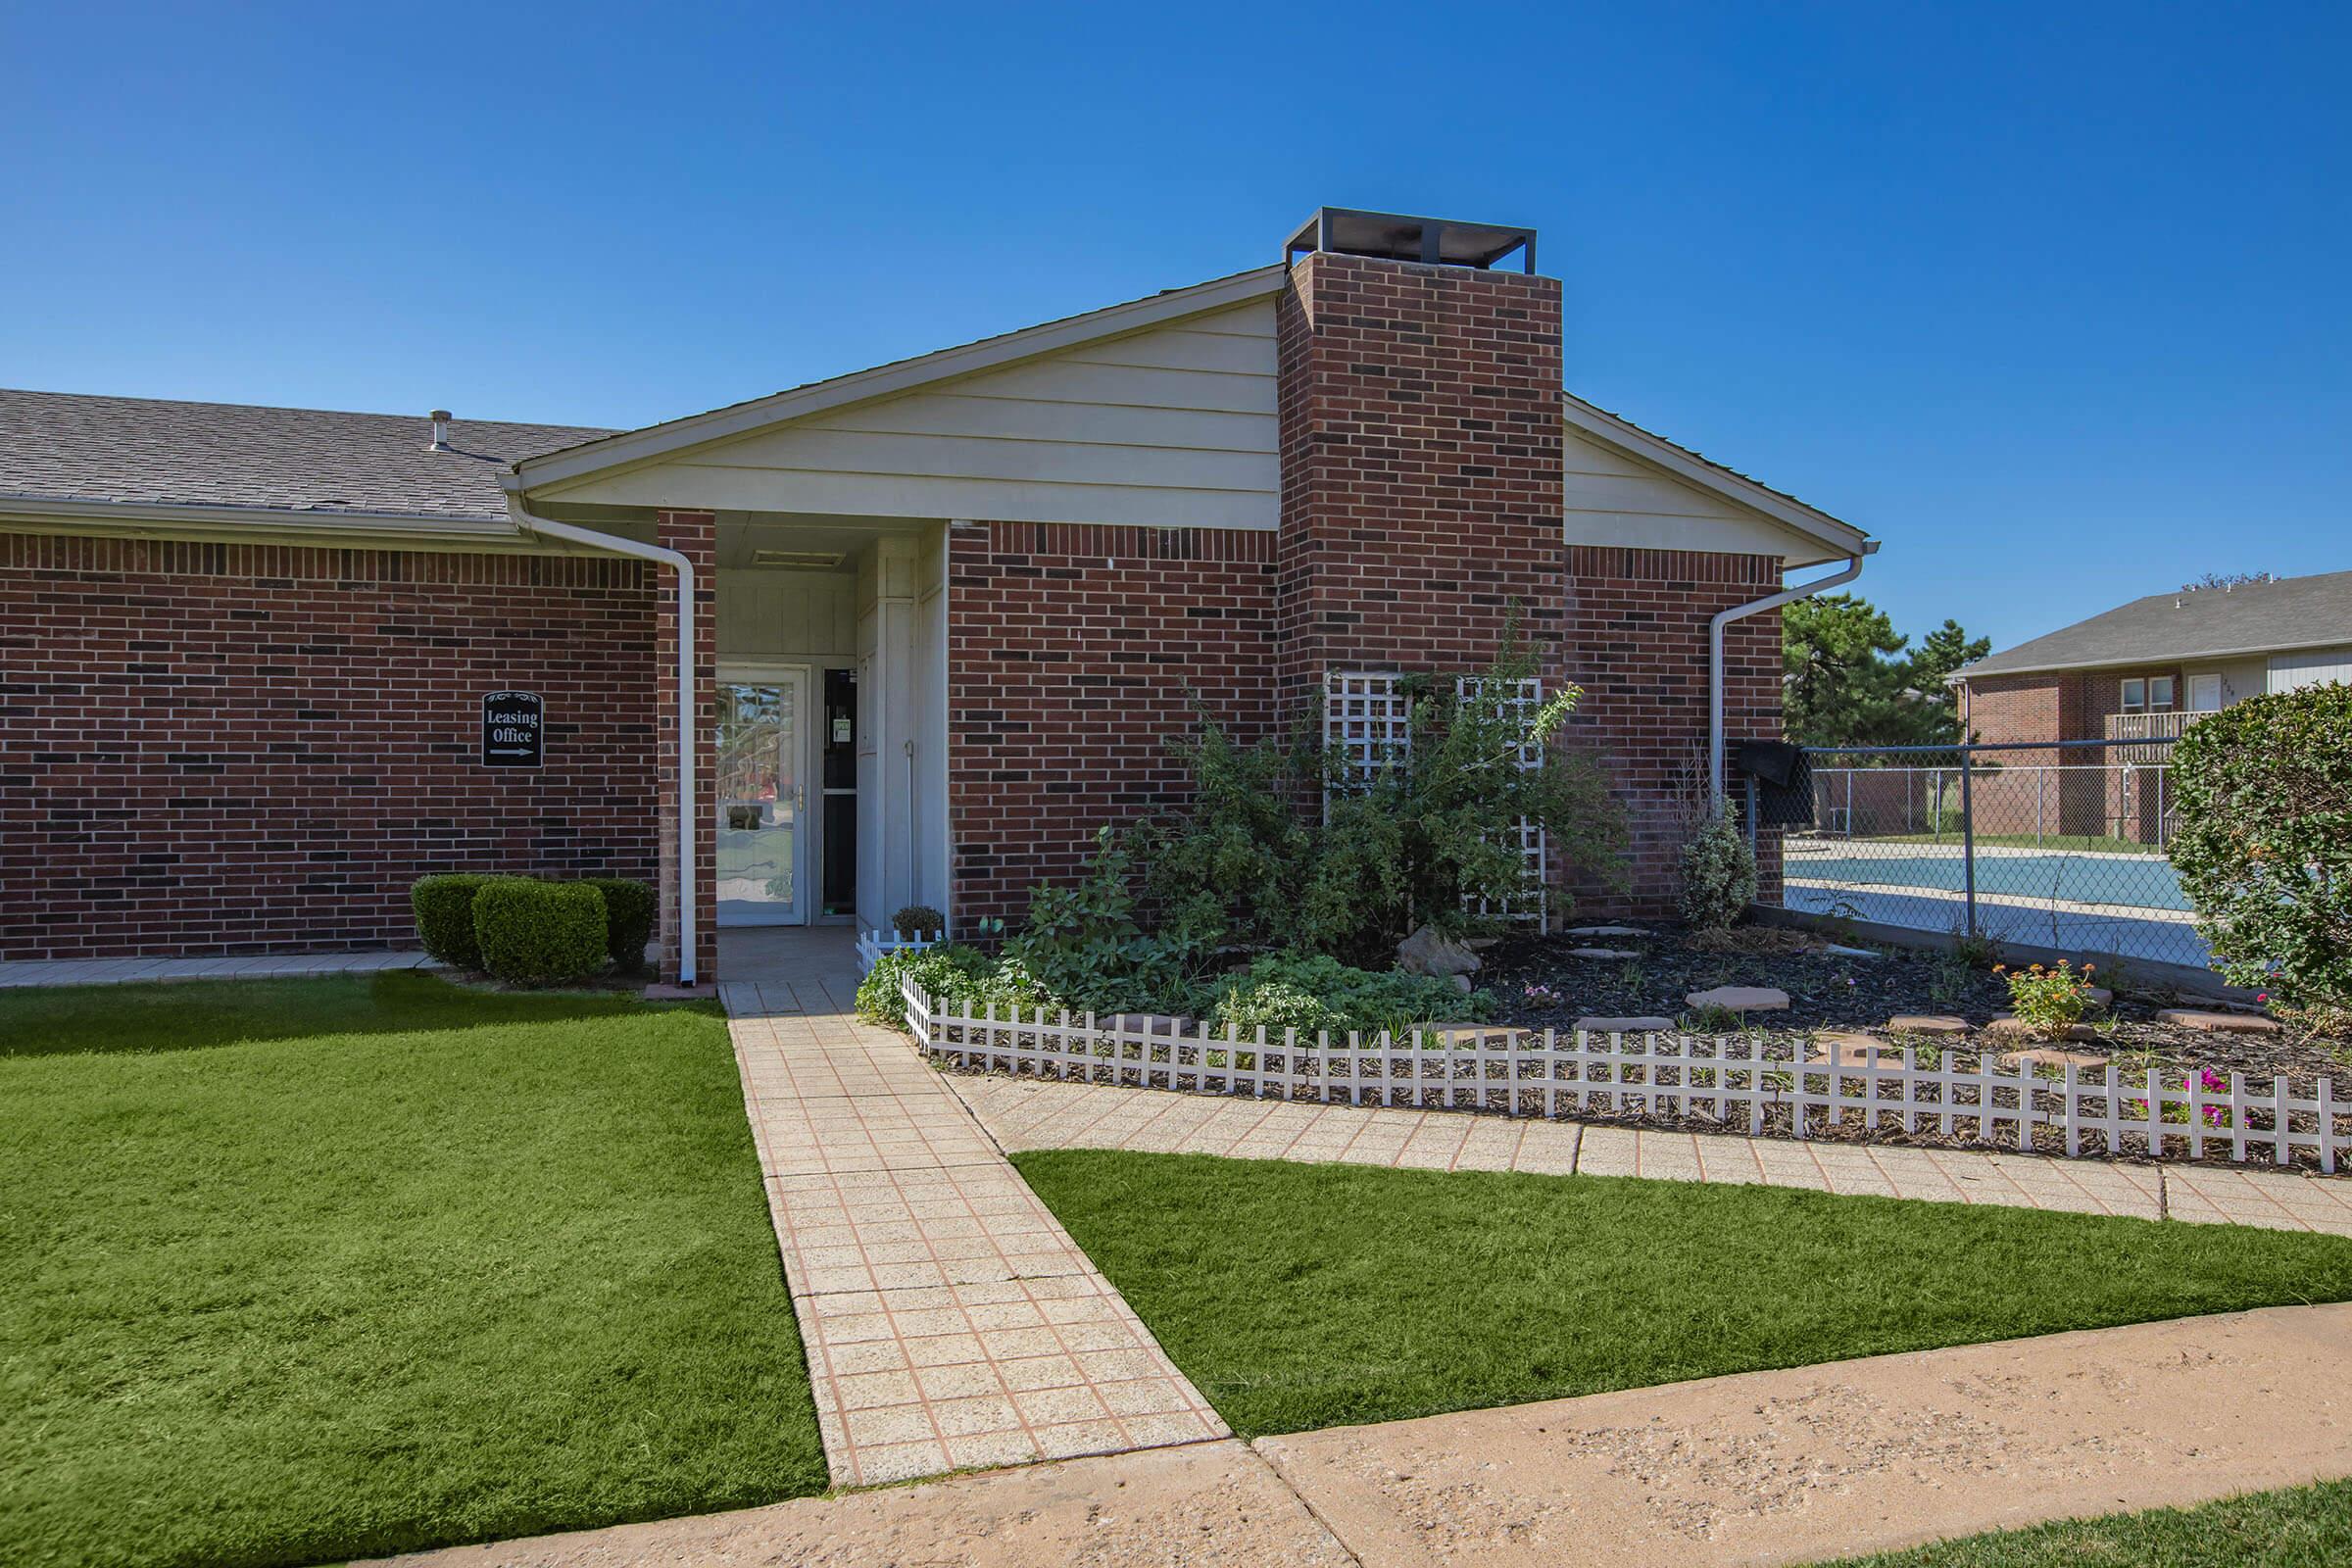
x,y
950,1320
1032,1114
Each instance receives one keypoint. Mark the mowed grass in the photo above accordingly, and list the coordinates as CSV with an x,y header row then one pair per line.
x,y
1299,1296
306,1270
2301,1527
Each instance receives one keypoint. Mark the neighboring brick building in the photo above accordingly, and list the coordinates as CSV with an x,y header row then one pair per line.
x,y
947,611
2134,677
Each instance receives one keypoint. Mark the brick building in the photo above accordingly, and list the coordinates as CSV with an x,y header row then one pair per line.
x,y
941,615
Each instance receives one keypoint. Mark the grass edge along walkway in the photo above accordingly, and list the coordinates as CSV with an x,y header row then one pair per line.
x,y
452,1266
2294,1527
1302,1297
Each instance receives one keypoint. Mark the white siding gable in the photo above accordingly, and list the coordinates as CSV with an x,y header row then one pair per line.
x,y
1613,499
1172,426
2311,666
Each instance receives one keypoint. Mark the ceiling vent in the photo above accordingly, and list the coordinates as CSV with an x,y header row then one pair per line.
x,y
1396,237
799,560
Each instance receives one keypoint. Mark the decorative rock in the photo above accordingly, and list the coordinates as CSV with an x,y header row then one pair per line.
x,y
2008,1024
1606,931
1926,1024
1602,952
1837,952
2098,996
1643,1024
2049,1056
2219,1023
1461,983
1429,951
1741,998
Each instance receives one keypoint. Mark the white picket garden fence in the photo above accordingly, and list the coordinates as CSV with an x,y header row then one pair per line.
x,y
1729,1083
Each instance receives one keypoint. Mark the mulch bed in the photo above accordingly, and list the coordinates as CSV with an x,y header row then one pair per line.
x,y
1537,984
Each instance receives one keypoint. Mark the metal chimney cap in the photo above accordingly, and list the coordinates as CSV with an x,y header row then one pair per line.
x,y
1399,237
440,436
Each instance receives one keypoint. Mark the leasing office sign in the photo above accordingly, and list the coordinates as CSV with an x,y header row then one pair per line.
x,y
514,729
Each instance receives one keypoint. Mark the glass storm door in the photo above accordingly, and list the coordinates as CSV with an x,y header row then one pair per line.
x,y
761,805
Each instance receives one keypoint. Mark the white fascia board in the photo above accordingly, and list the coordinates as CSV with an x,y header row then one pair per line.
x,y
902,375
2141,661
1842,538
54,516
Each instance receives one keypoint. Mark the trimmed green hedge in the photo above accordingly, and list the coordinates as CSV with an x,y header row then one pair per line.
x,y
540,932
444,908
629,911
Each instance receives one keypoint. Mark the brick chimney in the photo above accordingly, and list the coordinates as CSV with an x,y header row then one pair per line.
x,y
1421,449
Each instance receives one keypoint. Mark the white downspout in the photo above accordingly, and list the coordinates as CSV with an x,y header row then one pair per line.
x,y
1756,607
612,544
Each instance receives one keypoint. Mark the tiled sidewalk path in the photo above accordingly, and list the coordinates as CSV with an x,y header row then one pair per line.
x,y
267,967
950,1320
1031,1113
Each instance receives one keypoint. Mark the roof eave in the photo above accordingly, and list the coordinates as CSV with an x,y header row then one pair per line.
x,y
165,516
1842,537
887,381
2252,651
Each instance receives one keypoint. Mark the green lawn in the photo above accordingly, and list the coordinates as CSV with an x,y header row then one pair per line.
x,y
2303,1527
304,1270
1309,1296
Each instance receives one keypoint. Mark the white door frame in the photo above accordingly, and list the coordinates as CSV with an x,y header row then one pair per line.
x,y
805,734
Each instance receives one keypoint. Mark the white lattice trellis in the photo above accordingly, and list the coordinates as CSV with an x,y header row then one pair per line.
x,y
1368,720
1532,905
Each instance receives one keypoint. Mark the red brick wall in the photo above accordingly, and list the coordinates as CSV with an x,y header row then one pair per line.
x,y
211,749
2066,706
1637,643
1073,653
1421,476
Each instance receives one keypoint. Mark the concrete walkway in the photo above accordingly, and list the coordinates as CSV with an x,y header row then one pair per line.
x,y
950,1320
1764,1467
1023,1113
262,966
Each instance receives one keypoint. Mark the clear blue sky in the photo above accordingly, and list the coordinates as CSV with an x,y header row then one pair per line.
x,y
2051,299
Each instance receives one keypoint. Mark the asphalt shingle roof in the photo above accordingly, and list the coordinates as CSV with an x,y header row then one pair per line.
x,y
63,446
2163,628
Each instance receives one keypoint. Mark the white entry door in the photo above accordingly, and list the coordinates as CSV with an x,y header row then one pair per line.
x,y
763,797
2204,694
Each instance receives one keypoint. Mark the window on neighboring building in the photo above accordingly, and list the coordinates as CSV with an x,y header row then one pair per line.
x,y
2135,696
2152,694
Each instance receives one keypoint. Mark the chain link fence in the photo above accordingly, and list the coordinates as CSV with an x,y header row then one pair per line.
x,y
2052,845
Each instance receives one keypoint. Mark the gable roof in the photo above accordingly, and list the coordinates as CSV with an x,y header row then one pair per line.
x,y
2258,618
672,436
107,453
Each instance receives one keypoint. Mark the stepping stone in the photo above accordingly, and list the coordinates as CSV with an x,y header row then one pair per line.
x,y
2219,1023
2007,1024
1926,1024
1605,931
2219,1004
1641,1024
1493,1033
1837,952
1602,952
1159,1023
1845,1048
1741,998
2049,1056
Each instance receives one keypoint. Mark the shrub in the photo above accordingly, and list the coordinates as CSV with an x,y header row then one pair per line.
x,y
1719,872
2264,846
444,908
954,977
1082,942
919,920
538,932
2053,1000
1310,992
629,911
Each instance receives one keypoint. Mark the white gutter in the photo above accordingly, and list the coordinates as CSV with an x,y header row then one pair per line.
x,y
1756,607
610,544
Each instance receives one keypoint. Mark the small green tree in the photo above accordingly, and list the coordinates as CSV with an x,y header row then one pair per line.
x,y
2264,843
1719,872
